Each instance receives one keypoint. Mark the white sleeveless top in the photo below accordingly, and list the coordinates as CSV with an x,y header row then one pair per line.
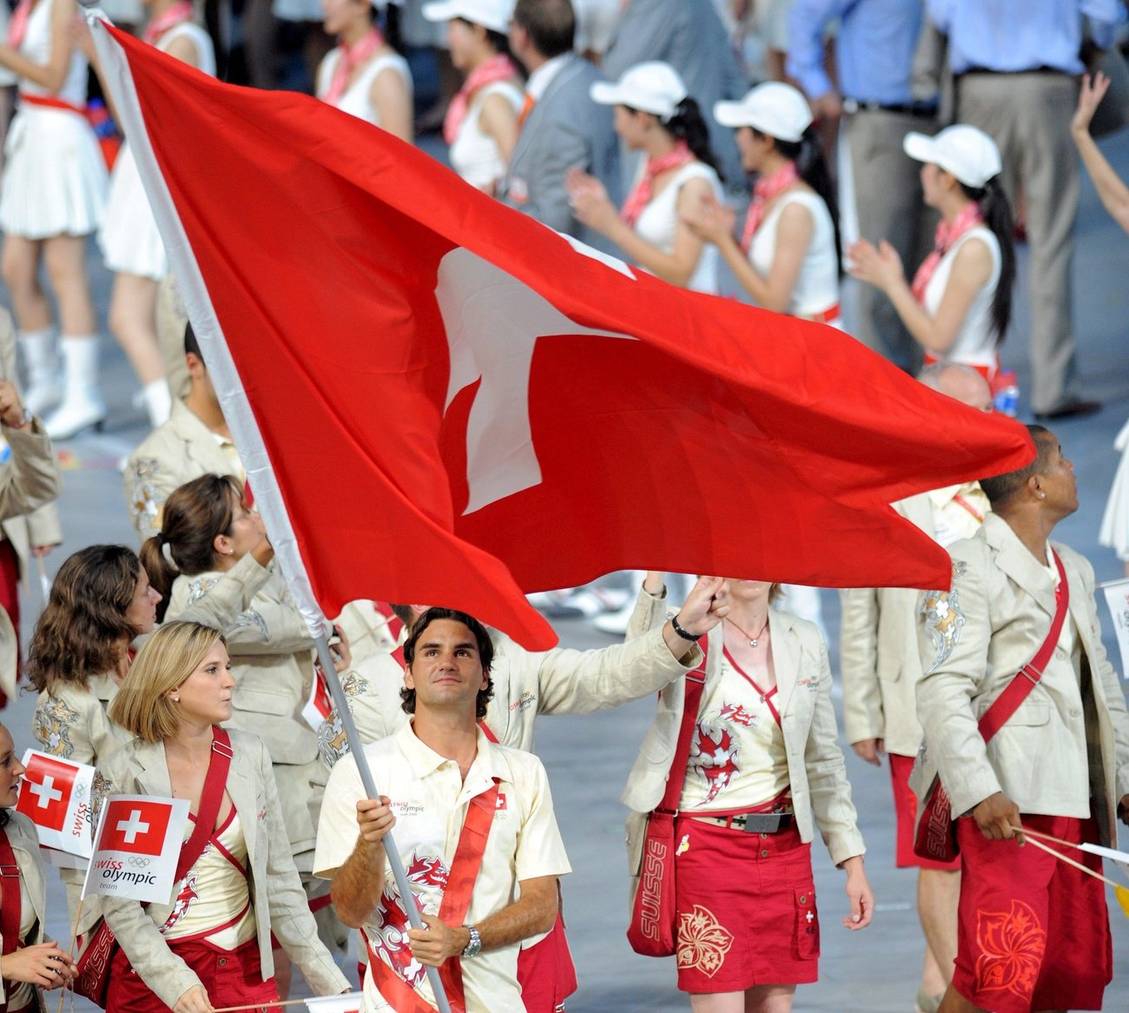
x,y
659,220
817,285
356,101
474,155
205,51
975,343
738,758
36,47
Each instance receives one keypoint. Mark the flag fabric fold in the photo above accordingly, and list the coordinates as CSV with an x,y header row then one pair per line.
x,y
440,400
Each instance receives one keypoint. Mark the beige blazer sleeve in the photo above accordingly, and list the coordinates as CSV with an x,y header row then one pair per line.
x,y
580,682
858,662
831,804
954,638
252,621
290,918
649,612
33,480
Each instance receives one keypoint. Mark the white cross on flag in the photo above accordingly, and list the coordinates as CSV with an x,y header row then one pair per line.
x,y
55,796
138,845
319,704
438,399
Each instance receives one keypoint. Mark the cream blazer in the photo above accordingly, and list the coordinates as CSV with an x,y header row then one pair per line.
x,y
280,903
821,794
878,655
25,844
272,660
1072,727
560,681
181,449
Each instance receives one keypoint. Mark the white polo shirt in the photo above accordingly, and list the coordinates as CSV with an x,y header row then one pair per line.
x,y
430,799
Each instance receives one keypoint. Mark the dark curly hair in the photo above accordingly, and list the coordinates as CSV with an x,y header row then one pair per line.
x,y
83,630
482,641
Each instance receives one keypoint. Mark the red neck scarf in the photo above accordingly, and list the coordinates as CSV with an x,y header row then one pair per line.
x,y
17,27
943,240
177,14
350,59
644,190
768,188
498,68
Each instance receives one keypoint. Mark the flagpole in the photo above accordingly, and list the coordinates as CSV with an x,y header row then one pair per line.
x,y
356,747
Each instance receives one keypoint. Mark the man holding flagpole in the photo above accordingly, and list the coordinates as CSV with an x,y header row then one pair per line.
x,y
474,823
1026,725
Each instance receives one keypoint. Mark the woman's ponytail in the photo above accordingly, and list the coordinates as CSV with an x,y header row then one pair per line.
x,y
161,572
996,210
807,153
687,124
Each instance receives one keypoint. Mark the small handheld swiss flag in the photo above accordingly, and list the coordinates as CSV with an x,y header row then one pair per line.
x,y
137,846
55,796
136,826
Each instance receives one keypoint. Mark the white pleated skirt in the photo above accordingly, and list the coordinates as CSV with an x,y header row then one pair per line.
x,y
129,238
55,178
1115,522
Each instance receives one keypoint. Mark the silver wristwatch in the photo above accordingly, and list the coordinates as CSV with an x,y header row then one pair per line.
x,y
474,947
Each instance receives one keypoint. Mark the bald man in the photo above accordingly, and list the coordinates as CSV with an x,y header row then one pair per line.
x,y
879,659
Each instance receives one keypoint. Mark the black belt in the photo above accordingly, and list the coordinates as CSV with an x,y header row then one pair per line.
x,y
752,823
1011,73
918,110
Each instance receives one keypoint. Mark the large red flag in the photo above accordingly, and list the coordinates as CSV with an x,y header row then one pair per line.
x,y
440,400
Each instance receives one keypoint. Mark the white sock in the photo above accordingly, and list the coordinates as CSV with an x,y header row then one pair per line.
x,y
158,401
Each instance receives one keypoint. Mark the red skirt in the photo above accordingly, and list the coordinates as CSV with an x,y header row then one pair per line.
x,y
1032,932
745,909
905,812
230,977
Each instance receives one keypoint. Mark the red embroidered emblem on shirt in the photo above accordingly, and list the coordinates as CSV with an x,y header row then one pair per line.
x,y
714,756
390,938
703,941
1011,946
182,902
738,715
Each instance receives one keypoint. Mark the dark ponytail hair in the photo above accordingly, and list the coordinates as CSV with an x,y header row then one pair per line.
x,y
192,517
687,124
996,210
812,167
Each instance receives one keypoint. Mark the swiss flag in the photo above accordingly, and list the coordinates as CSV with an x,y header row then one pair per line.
x,y
136,826
440,400
45,792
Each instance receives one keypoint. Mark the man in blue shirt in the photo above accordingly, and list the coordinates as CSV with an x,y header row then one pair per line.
x,y
880,193
1016,66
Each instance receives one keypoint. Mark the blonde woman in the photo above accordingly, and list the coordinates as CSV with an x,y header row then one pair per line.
x,y
28,964
211,946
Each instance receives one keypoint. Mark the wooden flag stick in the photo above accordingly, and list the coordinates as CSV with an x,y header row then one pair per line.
x,y
1033,839
74,947
262,1005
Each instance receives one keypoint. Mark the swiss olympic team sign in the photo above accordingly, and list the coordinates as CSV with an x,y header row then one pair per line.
x,y
137,847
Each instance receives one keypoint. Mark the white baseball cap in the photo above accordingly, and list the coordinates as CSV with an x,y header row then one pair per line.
x,y
652,87
773,108
492,14
967,152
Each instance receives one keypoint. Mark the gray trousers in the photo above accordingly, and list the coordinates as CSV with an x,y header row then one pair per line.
x,y
1029,115
886,193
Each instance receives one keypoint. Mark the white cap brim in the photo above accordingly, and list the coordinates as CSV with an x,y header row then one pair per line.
x,y
731,114
446,10
920,147
606,93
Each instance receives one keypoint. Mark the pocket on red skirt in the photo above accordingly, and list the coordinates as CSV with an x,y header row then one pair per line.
x,y
805,940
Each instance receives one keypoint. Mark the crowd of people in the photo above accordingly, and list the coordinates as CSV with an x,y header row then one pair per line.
x,y
883,136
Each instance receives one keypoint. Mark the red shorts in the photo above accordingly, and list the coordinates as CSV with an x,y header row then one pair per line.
x,y
546,972
1033,933
745,908
230,977
905,811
